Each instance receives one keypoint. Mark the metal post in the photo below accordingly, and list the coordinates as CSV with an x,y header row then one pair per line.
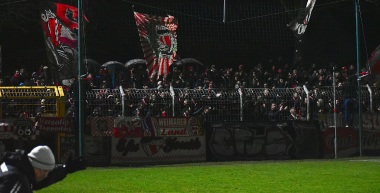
x,y
172,94
307,102
335,133
80,114
122,101
241,104
370,99
224,11
358,75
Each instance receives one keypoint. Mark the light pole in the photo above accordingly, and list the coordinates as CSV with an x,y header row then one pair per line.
x,y
358,74
80,114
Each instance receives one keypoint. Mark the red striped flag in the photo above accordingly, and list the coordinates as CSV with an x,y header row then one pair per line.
x,y
299,24
60,29
158,41
374,61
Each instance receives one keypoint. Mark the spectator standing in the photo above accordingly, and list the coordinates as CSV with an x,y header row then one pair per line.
x,y
15,79
349,93
23,76
273,113
293,114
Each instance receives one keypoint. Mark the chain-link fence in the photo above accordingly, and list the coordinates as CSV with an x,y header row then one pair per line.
x,y
103,102
215,104
227,105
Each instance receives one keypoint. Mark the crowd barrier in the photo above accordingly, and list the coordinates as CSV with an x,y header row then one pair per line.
x,y
31,116
142,126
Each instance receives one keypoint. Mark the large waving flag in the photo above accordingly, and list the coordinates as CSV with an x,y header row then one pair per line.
x,y
60,28
374,61
158,40
299,24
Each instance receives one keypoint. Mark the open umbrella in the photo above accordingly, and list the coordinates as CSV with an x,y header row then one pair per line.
x,y
186,63
91,65
114,66
139,63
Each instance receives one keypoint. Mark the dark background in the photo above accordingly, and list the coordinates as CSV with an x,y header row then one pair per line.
x,y
255,31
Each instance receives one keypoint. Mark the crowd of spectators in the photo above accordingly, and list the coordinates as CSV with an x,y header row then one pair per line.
x,y
274,74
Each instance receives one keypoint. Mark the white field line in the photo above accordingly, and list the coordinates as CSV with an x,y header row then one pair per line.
x,y
366,160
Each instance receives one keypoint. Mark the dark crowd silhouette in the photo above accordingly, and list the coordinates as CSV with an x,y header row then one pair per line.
x,y
202,90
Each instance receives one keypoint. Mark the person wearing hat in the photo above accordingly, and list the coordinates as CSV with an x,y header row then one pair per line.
x,y
25,172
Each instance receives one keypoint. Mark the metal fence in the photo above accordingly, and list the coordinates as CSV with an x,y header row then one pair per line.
x,y
103,102
225,105
38,101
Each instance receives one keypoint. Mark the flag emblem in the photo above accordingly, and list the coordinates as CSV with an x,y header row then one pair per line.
x,y
158,38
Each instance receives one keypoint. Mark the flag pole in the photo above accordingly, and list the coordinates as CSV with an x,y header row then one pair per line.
x,y
80,114
224,11
358,75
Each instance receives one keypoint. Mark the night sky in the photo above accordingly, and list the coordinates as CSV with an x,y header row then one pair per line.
x,y
255,31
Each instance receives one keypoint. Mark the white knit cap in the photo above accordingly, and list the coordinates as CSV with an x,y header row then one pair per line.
x,y
42,157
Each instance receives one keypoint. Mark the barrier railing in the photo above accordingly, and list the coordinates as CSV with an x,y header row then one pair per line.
x,y
215,104
104,106
45,101
224,104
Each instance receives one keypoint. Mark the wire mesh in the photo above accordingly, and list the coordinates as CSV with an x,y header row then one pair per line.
x,y
103,102
214,104
29,101
148,102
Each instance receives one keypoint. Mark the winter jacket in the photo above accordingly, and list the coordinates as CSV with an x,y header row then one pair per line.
x,y
17,174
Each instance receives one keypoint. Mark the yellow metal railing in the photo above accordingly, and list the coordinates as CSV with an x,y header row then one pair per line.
x,y
46,100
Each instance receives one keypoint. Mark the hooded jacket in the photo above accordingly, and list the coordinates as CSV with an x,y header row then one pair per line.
x,y
16,173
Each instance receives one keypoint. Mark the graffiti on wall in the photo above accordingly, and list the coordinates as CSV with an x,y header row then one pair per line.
x,y
247,141
263,140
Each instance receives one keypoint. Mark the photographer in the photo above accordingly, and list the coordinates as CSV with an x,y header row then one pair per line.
x,y
25,172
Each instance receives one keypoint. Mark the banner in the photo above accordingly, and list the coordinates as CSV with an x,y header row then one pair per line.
x,y
158,140
60,29
158,40
299,24
54,124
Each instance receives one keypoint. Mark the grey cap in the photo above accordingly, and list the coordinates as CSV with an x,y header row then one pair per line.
x,y
42,157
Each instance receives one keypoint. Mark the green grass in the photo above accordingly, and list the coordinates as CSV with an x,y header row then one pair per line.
x,y
264,176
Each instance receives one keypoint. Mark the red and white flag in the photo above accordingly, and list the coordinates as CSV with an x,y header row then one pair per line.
x,y
60,29
299,24
158,40
374,61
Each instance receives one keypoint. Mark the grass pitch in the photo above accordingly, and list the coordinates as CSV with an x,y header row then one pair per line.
x,y
341,175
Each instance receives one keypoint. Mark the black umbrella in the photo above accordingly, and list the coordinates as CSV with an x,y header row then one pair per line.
x,y
89,61
140,63
92,65
186,62
113,66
